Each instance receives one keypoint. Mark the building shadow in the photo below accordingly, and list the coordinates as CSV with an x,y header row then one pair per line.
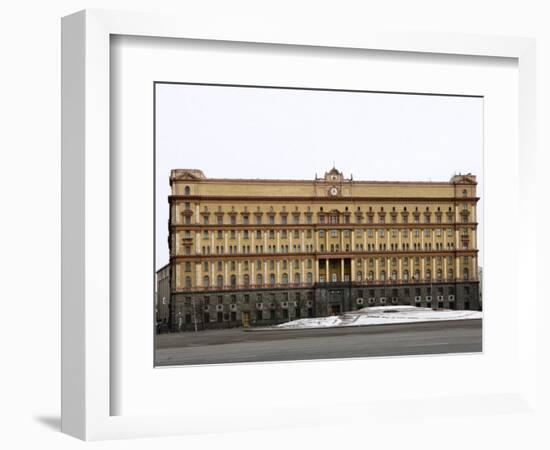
x,y
52,422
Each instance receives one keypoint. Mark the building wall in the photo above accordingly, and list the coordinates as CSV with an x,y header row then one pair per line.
x,y
162,304
248,235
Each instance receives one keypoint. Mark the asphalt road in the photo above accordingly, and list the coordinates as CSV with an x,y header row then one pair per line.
x,y
236,345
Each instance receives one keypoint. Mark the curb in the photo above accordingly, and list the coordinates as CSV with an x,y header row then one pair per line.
x,y
260,329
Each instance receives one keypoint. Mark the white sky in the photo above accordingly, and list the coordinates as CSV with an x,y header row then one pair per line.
x,y
235,132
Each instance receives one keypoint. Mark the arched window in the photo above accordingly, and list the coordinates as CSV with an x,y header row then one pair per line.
x,y
296,278
359,276
464,193
206,281
246,280
309,277
371,275
220,281
394,275
428,274
233,281
187,282
406,275
272,278
417,275
259,279
450,274
439,274
285,278
383,275
187,190
466,273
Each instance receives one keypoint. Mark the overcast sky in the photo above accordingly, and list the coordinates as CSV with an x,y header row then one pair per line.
x,y
235,132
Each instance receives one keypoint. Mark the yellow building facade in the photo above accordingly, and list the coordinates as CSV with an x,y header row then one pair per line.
x,y
257,251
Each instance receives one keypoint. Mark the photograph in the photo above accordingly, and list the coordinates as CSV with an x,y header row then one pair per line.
x,y
303,223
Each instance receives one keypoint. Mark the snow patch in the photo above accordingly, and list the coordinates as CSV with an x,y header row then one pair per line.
x,y
378,315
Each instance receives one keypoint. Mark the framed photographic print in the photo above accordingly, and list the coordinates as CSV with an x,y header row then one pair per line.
x,y
257,223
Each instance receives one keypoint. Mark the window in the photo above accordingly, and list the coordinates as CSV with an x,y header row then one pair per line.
x,y
334,277
334,233
406,275
272,278
381,233
259,280
220,281
245,220
233,281
246,280
383,275
187,282
206,281
285,278
187,190
296,278
309,277
187,266
359,276
321,233
427,232
466,273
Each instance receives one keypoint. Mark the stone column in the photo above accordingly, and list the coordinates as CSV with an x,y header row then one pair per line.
x,y
239,242
226,274
341,269
239,275
353,278
198,272
198,242
316,274
327,275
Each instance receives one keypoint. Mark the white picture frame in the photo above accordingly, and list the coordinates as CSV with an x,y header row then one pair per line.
x,y
87,386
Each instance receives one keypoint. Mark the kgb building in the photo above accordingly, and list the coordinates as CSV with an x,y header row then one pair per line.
x,y
248,252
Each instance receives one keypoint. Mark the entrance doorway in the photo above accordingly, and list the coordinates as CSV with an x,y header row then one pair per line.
x,y
335,310
246,319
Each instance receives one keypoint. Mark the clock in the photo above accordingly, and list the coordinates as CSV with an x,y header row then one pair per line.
x,y
333,191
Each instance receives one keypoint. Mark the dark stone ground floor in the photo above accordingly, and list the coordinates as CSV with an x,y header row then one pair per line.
x,y
264,307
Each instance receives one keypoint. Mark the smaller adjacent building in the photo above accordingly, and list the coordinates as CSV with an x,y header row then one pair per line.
x,y
162,300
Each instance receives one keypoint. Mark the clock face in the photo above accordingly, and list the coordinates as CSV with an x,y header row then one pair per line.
x,y
333,191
